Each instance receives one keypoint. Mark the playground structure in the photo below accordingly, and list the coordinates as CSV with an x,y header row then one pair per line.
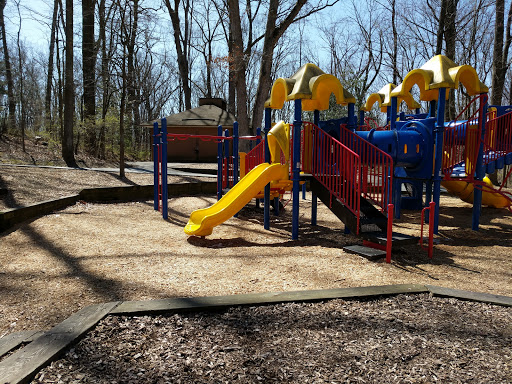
x,y
359,173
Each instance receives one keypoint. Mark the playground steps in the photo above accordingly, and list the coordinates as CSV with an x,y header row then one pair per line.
x,y
374,244
336,206
397,238
371,219
367,252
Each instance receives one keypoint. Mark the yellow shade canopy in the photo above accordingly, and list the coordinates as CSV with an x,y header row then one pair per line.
x,y
383,97
441,72
311,85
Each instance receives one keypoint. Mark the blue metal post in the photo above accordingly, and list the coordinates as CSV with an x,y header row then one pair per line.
x,y
236,139
314,197
297,124
388,114
438,137
432,109
418,111
165,196
156,164
266,191
361,117
219,164
276,206
480,170
393,114
352,118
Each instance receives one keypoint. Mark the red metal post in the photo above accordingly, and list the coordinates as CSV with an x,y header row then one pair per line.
x,y
431,229
389,239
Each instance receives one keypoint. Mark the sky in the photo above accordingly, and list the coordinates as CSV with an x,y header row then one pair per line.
x,y
35,21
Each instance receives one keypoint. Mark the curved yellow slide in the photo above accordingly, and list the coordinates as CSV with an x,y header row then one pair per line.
x,y
464,191
202,221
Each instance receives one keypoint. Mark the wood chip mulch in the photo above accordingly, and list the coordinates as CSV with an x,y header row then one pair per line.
x,y
402,339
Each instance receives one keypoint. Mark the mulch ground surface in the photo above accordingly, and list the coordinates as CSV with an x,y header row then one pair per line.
x,y
86,254
403,339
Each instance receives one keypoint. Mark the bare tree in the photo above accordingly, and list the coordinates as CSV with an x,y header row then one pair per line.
x,y
89,75
49,75
500,52
21,80
69,93
8,71
182,36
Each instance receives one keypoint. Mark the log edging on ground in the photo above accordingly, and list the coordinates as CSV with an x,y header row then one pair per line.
x,y
14,216
23,365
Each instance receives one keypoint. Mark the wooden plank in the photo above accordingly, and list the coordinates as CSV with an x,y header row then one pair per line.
x,y
14,216
398,238
13,340
367,252
209,302
23,365
144,192
472,296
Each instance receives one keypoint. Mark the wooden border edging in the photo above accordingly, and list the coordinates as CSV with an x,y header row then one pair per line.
x,y
23,365
489,298
213,302
18,215
107,194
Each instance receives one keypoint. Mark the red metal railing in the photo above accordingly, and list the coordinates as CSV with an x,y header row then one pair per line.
x,y
376,168
255,157
461,141
498,137
370,123
337,168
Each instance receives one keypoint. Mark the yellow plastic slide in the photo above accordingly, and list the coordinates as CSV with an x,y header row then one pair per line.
x,y
464,191
202,221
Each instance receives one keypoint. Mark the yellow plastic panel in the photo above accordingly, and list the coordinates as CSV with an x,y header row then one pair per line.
x,y
279,140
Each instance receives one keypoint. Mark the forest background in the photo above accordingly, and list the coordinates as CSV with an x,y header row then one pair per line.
x,y
85,75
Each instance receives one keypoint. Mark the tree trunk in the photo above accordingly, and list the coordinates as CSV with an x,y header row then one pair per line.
x,y
69,93
182,46
49,77
239,68
272,35
449,37
500,52
60,88
8,71
133,103
88,74
440,28
265,78
104,78
21,84
231,75
122,108
394,54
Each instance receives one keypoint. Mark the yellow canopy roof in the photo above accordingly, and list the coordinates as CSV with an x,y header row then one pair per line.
x,y
441,72
310,84
383,97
